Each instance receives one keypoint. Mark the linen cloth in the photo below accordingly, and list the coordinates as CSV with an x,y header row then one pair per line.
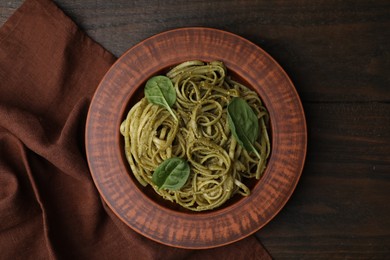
x,y
49,206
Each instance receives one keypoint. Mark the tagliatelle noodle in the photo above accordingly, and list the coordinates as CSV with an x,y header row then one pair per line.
x,y
201,136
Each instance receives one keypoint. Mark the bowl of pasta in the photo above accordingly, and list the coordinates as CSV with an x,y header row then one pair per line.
x,y
196,138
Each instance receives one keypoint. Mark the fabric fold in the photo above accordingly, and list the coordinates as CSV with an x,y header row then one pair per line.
x,y
49,206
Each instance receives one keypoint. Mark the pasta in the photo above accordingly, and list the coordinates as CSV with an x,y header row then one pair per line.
x,y
201,135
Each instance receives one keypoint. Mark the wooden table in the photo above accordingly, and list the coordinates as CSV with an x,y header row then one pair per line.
x,y
337,54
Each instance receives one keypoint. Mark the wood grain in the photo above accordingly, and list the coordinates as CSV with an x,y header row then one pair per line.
x,y
340,205
333,50
336,53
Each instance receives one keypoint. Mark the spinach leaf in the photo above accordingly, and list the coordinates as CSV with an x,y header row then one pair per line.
x,y
171,174
159,90
243,123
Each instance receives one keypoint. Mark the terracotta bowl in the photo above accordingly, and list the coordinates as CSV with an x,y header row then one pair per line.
x,y
141,208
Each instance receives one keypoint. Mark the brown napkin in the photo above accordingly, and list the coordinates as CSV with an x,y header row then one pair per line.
x,y
49,207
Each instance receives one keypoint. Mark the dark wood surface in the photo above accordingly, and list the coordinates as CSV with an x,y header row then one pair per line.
x,y
337,54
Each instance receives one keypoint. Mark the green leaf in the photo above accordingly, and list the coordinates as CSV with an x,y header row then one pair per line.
x,y
171,174
159,90
243,124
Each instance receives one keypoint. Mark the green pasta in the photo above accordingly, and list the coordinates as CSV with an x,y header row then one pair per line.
x,y
200,135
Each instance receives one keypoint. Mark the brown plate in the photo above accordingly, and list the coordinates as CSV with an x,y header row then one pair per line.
x,y
140,208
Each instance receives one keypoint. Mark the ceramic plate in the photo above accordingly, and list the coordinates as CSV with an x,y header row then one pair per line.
x,y
140,208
